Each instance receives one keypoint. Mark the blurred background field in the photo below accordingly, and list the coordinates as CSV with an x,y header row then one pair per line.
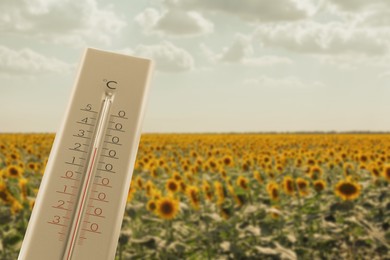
x,y
230,196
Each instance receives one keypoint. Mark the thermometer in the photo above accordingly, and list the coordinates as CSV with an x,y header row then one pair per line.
x,y
81,201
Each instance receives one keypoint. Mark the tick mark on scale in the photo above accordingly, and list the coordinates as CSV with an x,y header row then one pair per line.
x,y
60,208
58,224
116,130
99,216
119,116
71,194
76,150
109,156
82,137
88,111
104,170
112,143
84,123
108,186
99,200
88,230
75,164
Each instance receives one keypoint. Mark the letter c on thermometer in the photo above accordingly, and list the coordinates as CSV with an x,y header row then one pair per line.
x,y
111,84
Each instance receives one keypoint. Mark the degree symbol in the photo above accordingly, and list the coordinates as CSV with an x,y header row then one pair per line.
x,y
110,84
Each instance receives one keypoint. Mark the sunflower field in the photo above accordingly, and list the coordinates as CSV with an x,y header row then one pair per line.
x,y
230,196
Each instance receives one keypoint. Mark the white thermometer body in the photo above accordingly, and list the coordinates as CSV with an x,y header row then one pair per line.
x,y
81,201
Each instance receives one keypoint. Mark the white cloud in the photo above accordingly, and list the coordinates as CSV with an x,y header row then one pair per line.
x,y
267,60
250,10
168,57
288,82
174,22
241,52
385,74
238,50
379,20
65,21
360,5
333,38
28,62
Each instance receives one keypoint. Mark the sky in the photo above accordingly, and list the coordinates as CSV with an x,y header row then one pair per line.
x,y
221,65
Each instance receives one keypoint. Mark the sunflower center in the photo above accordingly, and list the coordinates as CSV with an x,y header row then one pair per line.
x,y
152,206
243,184
274,193
348,189
172,186
289,186
302,185
194,196
166,208
227,161
388,172
13,171
319,186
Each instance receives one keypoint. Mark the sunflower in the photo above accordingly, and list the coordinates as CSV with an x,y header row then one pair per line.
x,y
16,207
13,156
176,176
32,166
167,208
193,195
386,172
172,185
257,176
245,167
156,195
31,203
14,171
311,161
220,192
194,154
315,172
270,174
226,212
130,195
363,158
228,160
347,189
189,176
223,173
319,185
149,188
331,165
302,185
154,171
5,195
151,205
207,190
242,182
240,199
212,163
139,182
375,170
288,185
348,169
272,189
279,168
23,186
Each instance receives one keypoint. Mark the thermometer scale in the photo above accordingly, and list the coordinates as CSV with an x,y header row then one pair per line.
x,y
81,201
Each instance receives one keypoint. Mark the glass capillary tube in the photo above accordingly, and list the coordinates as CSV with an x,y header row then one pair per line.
x,y
87,178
